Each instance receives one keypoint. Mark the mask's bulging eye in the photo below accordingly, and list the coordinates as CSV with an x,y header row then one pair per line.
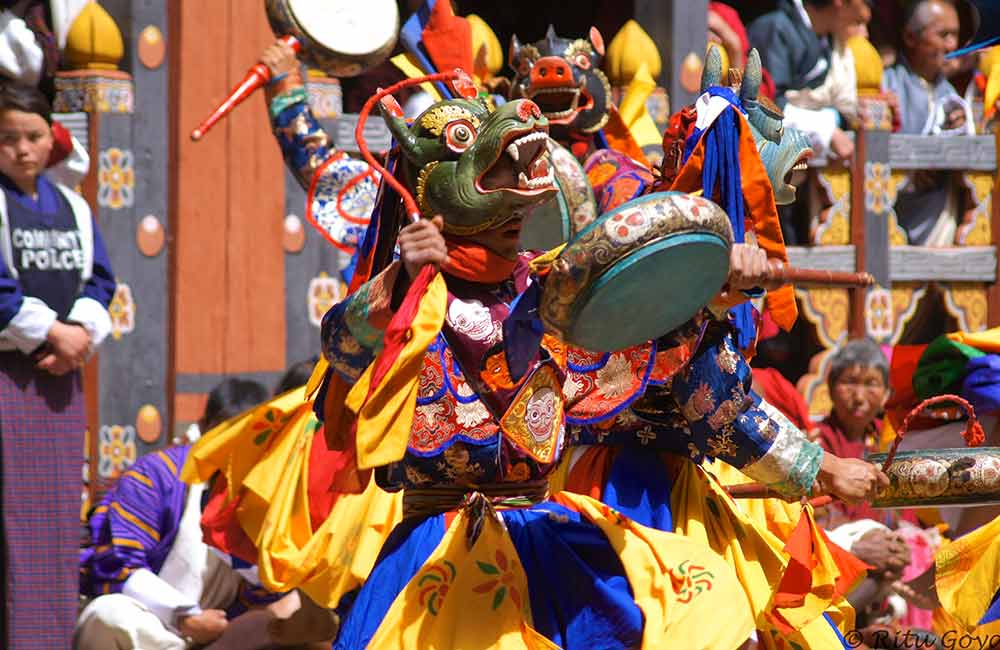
x,y
582,61
459,135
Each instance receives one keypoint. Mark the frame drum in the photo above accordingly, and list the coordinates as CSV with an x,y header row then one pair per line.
x,y
638,271
340,37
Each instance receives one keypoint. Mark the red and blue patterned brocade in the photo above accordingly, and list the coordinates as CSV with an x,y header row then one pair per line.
x,y
136,523
703,387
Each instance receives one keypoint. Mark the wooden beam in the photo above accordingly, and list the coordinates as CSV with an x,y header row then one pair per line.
x,y
959,264
993,293
823,258
679,28
971,153
856,323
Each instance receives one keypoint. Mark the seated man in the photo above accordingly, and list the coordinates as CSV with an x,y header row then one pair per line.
x,y
794,44
929,105
154,583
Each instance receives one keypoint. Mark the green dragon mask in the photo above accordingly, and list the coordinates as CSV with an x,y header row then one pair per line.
x,y
474,164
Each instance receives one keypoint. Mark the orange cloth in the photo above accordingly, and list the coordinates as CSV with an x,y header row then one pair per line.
x,y
620,138
589,473
448,39
761,214
475,263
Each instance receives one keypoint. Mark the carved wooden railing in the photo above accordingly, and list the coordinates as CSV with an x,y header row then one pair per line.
x,y
854,227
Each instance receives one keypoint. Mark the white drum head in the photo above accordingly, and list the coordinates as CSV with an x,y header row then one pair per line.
x,y
350,27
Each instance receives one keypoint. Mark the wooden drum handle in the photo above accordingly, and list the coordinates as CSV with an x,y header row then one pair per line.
x,y
791,274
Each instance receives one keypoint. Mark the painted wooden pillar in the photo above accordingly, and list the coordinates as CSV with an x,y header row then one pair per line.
x,y
871,177
227,206
125,383
993,296
680,29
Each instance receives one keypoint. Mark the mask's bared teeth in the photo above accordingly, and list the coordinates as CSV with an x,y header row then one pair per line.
x,y
522,181
513,151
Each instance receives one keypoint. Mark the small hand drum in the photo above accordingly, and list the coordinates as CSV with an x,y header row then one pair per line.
x,y
340,37
940,477
638,271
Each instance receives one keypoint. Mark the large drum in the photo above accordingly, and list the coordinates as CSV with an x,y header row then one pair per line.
x,y
341,37
940,477
638,271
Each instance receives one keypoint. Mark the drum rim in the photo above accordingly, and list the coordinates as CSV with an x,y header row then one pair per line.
x,y
649,248
639,200
315,53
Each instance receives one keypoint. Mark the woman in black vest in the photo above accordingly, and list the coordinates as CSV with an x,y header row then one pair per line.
x,y
55,286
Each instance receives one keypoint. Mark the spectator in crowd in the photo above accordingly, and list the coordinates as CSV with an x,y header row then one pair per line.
x,y
795,46
858,381
164,588
927,205
929,104
727,30
296,376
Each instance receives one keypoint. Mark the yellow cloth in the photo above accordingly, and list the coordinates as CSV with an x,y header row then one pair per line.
x,y
272,478
316,378
779,518
703,513
867,65
660,567
987,341
384,420
676,583
438,607
633,108
966,574
486,48
407,64
989,65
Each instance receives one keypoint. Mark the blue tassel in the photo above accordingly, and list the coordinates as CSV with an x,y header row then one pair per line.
x,y
720,176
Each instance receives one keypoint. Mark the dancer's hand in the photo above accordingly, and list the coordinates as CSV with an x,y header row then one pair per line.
x,y
850,479
422,243
279,57
56,365
748,268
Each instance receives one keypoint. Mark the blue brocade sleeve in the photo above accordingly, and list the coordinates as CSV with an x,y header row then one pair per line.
x,y
729,421
304,144
353,330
